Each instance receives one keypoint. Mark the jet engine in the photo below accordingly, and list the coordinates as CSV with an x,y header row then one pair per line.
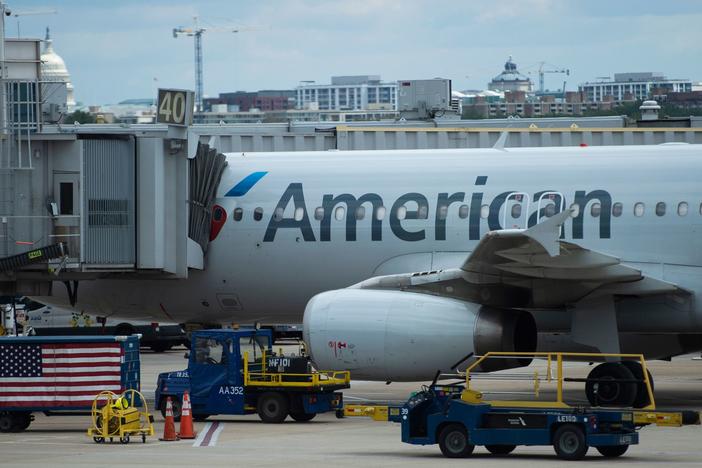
x,y
404,336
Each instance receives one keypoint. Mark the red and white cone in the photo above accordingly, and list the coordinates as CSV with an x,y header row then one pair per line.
x,y
186,419
169,433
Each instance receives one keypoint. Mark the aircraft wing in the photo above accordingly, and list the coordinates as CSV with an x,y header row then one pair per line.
x,y
529,268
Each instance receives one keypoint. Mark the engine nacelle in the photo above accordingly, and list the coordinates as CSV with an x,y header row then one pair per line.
x,y
403,336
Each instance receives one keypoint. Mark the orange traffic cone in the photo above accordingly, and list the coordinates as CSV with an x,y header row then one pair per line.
x,y
186,419
169,433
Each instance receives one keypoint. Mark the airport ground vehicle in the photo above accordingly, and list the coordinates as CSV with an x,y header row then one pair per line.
x,y
236,372
457,418
62,374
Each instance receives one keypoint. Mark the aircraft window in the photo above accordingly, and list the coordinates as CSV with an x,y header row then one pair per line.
x,y
423,211
318,213
484,211
595,210
575,210
299,213
238,214
617,209
639,209
682,208
549,210
701,208
516,211
278,214
339,213
402,212
258,214
443,211
380,213
360,212
463,211
660,208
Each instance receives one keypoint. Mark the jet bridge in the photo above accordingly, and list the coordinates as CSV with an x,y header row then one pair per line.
x,y
128,202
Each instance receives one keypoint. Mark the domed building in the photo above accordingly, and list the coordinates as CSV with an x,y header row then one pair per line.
x,y
510,79
53,70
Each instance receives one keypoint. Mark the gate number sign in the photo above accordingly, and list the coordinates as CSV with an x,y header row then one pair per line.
x,y
175,107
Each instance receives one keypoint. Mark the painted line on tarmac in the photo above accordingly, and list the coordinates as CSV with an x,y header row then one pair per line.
x,y
209,435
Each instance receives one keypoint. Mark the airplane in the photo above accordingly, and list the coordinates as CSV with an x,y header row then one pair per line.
x,y
402,262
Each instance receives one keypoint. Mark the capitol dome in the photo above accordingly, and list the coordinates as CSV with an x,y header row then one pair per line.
x,y
53,69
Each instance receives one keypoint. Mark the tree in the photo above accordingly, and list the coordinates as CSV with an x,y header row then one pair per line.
x,y
79,116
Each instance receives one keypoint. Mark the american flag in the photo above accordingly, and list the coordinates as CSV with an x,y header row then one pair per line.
x,y
58,374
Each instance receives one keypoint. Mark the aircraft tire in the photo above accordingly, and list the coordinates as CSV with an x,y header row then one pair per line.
x,y
614,393
641,399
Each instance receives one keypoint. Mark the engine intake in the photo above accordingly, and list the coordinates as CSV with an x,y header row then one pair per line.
x,y
403,336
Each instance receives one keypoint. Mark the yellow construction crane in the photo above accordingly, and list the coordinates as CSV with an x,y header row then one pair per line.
x,y
197,31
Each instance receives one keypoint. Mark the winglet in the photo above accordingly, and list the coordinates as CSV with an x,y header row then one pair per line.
x,y
500,143
548,232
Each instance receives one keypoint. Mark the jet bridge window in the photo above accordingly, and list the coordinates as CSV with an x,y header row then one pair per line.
x,y
258,214
639,209
660,209
617,209
682,208
238,214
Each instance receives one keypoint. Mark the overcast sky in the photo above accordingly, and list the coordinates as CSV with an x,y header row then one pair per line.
x,y
117,50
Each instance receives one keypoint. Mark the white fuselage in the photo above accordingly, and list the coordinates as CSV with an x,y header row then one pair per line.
x,y
267,269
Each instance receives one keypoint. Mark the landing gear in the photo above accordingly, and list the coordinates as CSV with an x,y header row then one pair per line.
x,y
642,398
615,384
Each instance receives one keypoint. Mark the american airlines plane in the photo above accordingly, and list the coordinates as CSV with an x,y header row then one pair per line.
x,y
403,262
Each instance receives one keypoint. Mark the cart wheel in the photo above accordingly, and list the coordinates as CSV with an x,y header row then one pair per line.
x,y
272,407
453,441
340,414
6,422
22,421
569,442
500,449
143,438
99,440
124,440
612,451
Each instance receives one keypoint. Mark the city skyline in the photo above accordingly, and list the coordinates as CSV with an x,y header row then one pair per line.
x,y
127,51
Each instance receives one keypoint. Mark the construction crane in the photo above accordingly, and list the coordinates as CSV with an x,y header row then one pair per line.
x,y
44,11
547,68
196,31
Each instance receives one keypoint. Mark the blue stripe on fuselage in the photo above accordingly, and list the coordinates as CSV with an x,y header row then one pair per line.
x,y
245,184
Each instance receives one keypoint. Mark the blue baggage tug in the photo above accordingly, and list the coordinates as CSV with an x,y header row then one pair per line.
x,y
457,418
237,372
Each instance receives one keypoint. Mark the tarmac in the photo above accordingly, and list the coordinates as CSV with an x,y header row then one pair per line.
x,y
245,441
